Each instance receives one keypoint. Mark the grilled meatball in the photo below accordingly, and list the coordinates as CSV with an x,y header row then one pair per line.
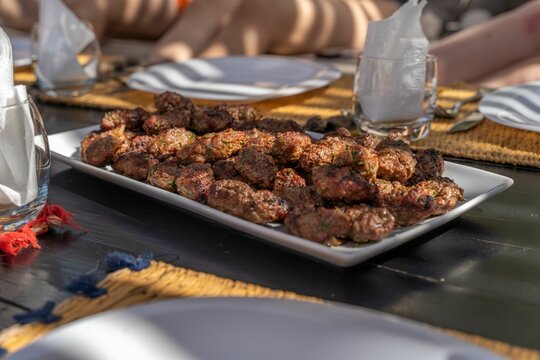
x,y
244,116
368,223
256,168
368,140
278,125
134,164
288,178
139,143
325,151
289,146
445,192
193,181
345,183
429,165
316,123
170,101
99,149
300,198
169,142
207,120
389,192
361,157
158,122
131,119
339,132
164,174
322,225
396,160
260,140
212,147
224,169
239,199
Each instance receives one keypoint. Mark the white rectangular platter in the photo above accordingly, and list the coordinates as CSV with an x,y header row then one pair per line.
x,y
478,186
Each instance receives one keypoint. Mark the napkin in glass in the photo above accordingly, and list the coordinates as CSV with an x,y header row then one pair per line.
x,y
61,37
394,90
18,179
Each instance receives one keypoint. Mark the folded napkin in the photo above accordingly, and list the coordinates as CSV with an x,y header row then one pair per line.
x,y
62,36
18,180
394,88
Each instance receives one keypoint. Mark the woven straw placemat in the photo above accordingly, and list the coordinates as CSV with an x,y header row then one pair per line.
x,y
488,141
164,281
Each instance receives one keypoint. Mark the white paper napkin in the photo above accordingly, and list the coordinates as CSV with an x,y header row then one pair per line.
x,y
18,180
394,90
62,36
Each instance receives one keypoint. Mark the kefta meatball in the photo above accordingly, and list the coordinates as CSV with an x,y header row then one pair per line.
x,y
322,225
257,168
131,119
169,142
212,147
289,146
193,181
224,169
445,192
99,149
278,125
300,198
134,164
239,199
244,116
139,143
429,165
368,223
170,101
325,151
260,140
396,160
164,174
345,184
158,122
288,177
207,120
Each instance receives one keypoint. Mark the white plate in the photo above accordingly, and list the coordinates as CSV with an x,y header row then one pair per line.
x,y
22,54
243,328
516,106
479,186
235,78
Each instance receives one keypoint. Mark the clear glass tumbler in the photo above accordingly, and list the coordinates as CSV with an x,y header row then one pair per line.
x,y
34,146
395,95
67,72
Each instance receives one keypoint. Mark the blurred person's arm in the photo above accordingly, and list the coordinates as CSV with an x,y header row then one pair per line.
x,y
500,51
223,27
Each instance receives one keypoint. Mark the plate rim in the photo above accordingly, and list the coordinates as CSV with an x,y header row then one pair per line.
x,y
325,70
339,256
498,120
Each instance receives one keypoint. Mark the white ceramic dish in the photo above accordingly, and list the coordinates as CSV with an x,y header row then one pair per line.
x,y
479,186
516,106
246,329
235,78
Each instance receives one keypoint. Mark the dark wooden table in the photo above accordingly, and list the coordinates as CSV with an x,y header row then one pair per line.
x,y
479,274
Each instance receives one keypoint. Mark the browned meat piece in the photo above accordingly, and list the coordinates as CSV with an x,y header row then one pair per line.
x,y
139,143
300,198
325,226
134,164
170,101
341,121
224,169
239,199
260,140
164,174
158,122
445,191
316,124
99,149
363,158
339,132
244,116
278,125
429,165
288,178
256,168
207,120
345,183
396,160
169,142
131,119
194,180
325,151
213,147
368,140
368,223
389,192
289,146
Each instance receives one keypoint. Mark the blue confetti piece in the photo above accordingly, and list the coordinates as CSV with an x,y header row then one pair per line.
x,y
118,260
86,285
43,315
